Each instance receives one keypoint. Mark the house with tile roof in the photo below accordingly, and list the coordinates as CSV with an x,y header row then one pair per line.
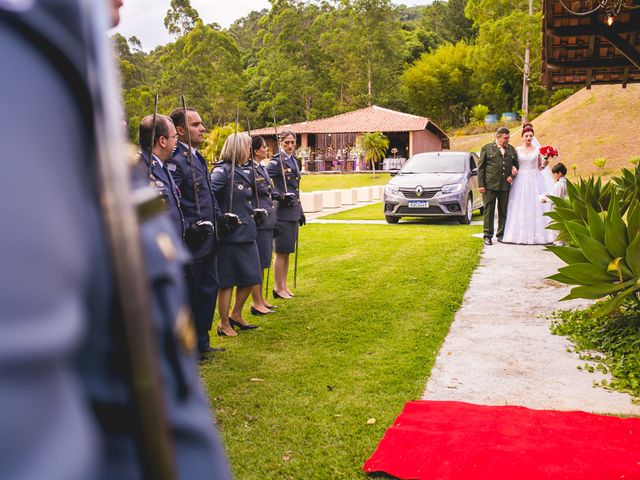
x,y
330,140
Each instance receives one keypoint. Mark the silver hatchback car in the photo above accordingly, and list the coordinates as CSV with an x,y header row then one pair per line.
x,y
434,184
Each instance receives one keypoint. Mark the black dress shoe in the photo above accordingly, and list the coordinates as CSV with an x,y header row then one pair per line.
x,y
248,326
210,349
500,240
487,241
255,311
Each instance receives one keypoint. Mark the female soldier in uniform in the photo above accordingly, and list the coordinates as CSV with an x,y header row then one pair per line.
x,y
284,171
238,260
266,227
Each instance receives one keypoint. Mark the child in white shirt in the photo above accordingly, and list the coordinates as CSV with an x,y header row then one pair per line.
x,y
559,189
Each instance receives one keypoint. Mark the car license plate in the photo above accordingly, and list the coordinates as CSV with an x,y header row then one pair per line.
x,y
418,204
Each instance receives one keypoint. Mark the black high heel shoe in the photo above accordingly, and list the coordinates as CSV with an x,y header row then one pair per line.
x,y
248,326
255,311
221,332
277,295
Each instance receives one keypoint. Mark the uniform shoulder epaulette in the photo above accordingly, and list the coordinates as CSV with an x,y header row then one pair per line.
x,y
134,156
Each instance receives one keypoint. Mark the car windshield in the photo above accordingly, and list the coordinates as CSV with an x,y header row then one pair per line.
x,y
430,163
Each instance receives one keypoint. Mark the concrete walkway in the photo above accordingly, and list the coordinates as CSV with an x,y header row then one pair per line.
x,y
500,351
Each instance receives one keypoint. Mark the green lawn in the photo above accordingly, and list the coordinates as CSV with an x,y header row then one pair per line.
x,y
375,212
369,212
313,182
373,306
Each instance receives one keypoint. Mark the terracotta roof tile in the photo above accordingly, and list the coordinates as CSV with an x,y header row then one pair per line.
x,y
369,119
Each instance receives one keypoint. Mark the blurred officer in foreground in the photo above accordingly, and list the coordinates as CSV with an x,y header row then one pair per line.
x,y
189,170
97,374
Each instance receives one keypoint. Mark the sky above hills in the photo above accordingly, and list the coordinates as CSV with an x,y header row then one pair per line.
x,y
144,18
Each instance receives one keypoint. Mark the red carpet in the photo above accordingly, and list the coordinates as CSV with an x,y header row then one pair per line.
x,y
461,441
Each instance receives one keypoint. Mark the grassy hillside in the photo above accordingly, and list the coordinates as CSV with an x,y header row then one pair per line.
x,y
601,122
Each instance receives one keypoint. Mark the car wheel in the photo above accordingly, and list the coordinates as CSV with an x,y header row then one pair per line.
x,y
391,219
466,218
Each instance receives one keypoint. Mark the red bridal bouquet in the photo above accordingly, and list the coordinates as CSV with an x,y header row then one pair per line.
x,y
548,151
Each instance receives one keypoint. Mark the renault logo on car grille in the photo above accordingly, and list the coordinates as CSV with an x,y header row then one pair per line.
x,y
419,191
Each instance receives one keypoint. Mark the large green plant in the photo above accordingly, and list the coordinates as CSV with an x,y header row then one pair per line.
x,y
375,146
604,260
587,194
627,187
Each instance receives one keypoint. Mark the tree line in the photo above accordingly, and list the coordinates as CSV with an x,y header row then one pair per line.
x,y
310,59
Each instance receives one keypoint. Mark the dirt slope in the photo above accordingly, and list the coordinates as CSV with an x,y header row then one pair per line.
x,y
601,122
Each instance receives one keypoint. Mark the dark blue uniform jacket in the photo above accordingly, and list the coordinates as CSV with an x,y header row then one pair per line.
x,y
242,205
265,189
180,167
160,179
292,176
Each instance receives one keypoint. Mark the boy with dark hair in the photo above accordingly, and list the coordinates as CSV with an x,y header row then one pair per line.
x,y
560,188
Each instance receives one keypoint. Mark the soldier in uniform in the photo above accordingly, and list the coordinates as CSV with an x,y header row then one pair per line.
x,y
283,170
155,166
498,165
189,171
238,260
66,387
262,199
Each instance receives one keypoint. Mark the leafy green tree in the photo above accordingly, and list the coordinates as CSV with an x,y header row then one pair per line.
x,y
447,20
374,145
205,66
364,41
439,85
181,18
506,30
214,141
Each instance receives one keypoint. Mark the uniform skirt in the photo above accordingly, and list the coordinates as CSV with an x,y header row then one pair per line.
x,y
265,247
238,264
286,239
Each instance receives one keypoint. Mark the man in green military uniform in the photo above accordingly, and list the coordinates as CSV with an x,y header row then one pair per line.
x,y
498,166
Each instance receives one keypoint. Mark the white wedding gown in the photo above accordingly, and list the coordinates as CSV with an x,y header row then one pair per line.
x,y
526,223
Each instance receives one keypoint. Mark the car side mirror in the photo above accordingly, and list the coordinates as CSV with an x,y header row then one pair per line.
x,y
474,172
393,173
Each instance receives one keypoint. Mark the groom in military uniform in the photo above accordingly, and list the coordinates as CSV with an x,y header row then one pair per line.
x,y
498,166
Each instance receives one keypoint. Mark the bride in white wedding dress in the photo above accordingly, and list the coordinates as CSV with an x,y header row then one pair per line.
x,y
526,223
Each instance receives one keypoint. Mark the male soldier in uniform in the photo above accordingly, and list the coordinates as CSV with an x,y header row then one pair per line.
x,y
155,167
498,165
189,171
66,389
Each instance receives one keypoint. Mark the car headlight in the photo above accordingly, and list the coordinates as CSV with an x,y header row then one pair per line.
x,y
452,188
391,189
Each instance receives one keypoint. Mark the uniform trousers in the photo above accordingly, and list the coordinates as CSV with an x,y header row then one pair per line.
x,y
490,198
202,281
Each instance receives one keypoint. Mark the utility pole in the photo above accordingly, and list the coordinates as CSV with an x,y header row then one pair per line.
x,y
526,75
